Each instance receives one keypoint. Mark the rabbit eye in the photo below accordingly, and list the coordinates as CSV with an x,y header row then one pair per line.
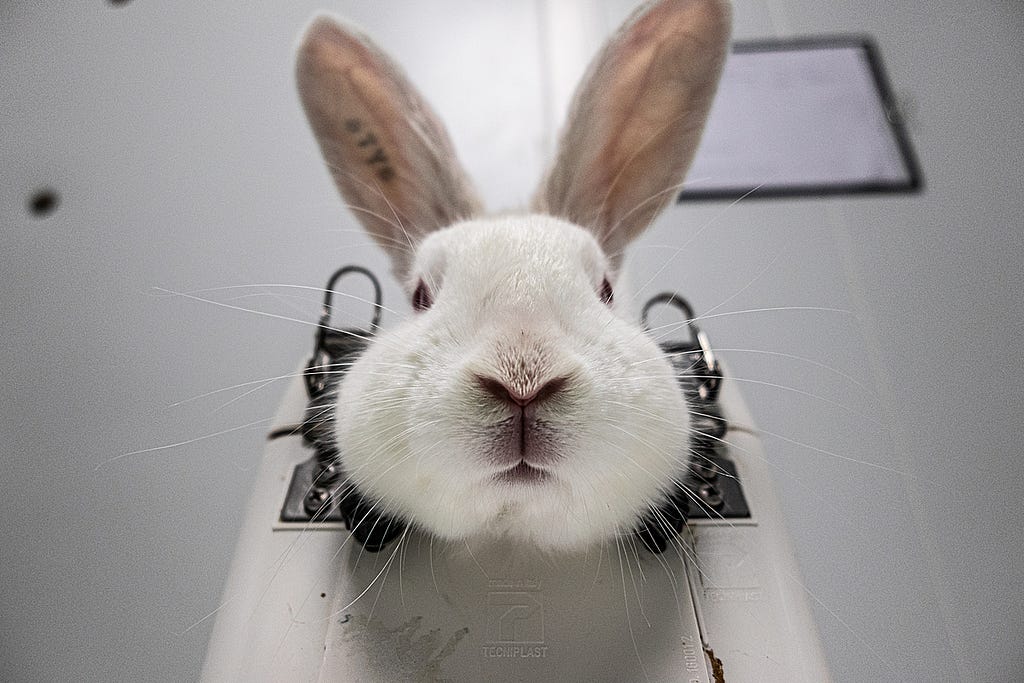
x,y
606,291
421,299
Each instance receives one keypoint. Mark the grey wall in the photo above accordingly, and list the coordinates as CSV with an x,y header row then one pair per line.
x,y
175,142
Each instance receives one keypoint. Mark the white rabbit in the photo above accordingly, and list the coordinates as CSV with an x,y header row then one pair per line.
x,y
518,401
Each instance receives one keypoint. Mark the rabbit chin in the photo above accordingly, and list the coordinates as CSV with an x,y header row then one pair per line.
x,y
575,505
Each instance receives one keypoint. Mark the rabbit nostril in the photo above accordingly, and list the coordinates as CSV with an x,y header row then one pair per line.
x,y
500,391
507,394
550,388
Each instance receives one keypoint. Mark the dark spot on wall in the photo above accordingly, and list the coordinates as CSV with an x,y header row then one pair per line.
x,y
43,203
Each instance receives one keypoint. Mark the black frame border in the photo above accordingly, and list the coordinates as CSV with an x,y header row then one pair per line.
x,y
915,180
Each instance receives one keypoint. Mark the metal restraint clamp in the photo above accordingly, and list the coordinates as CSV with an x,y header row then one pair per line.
x,y
710,489
320,491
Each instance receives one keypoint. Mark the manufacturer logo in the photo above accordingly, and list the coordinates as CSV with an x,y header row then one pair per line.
x,y
515,623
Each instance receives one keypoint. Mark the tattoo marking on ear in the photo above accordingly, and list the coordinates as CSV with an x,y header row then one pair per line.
x,y
379,158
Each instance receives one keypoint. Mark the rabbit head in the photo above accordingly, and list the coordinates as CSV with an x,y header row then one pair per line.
x,y
519,399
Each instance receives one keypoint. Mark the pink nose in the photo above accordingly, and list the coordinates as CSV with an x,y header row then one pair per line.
x,y
506,394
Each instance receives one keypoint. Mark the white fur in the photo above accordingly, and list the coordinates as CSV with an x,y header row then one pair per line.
x,y
410,417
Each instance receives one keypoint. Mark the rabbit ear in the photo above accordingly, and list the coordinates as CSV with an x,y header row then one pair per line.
x,y
386,149
636,119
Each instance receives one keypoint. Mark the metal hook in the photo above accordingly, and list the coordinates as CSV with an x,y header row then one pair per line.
x,y
669,299
325,315
354,340
710,386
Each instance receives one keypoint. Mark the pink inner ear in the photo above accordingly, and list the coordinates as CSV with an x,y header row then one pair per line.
x,y
636,119
386,149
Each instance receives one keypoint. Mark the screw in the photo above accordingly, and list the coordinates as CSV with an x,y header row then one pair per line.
x,y
711,496
316,500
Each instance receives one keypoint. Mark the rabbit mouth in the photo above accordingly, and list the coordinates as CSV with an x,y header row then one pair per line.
x,y
522,473
523,444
